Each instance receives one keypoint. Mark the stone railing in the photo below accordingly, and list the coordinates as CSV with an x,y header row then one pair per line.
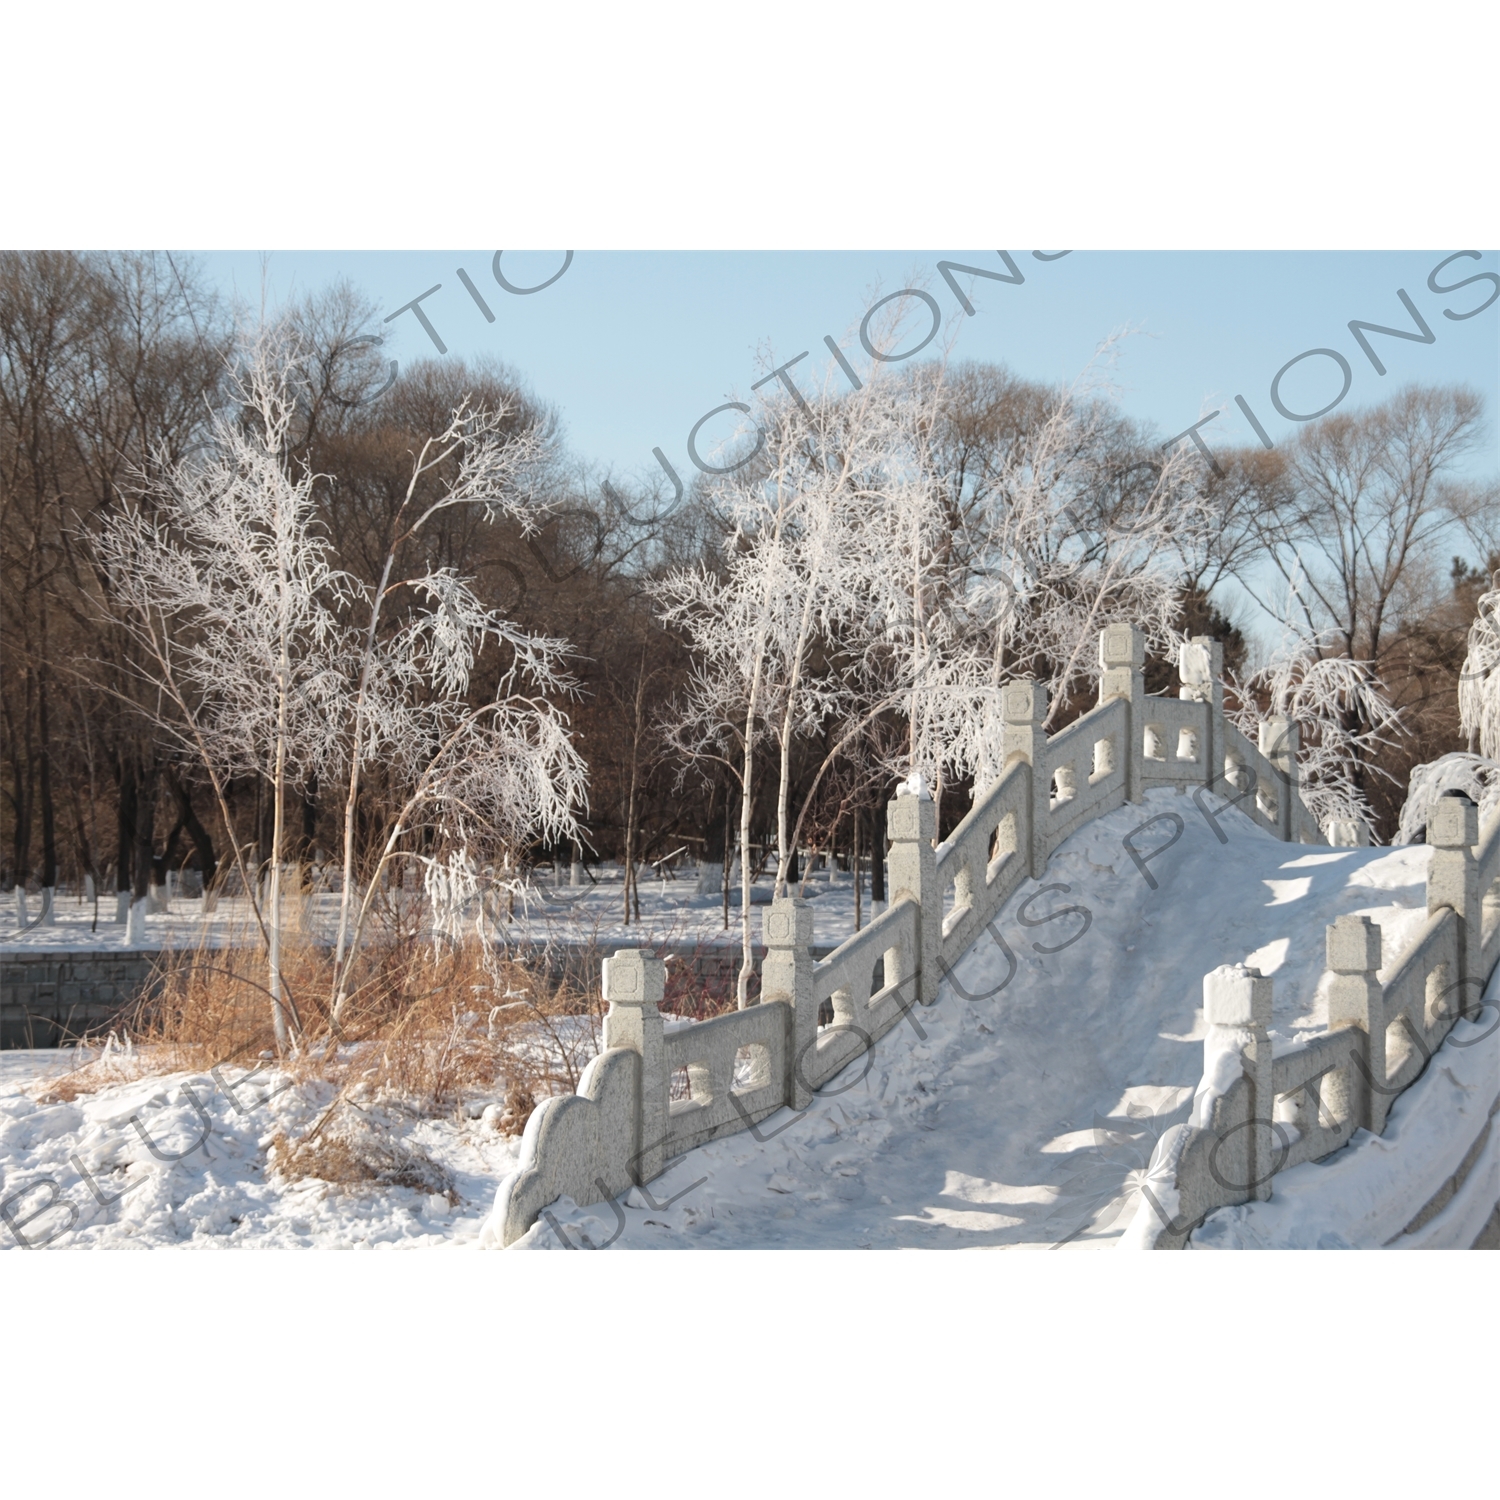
x,y
1264,1106
624,1125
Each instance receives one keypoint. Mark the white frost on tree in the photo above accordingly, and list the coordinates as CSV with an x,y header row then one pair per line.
x,y
505,771
217,568
269,659
1479,679
783,585
1342,714
864,575
1476,775
1076,526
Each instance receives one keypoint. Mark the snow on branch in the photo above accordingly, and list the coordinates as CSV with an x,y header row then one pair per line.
x,y
1340,707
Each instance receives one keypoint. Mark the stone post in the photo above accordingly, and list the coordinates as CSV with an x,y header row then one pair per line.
x,y
1023,705
911,824
1122,655
1453,881
1279,741
634,983
1356,1002
1202,676
786,977
1237,1006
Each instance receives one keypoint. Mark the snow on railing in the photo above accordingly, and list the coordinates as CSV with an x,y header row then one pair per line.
x,y
1263,1107
1487,874
622,1127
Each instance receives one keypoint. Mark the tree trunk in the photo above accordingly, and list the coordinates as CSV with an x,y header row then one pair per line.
x,y
23,769
309,821
728,848
637,728
630,839
713,837
145,819
859,894
129,805
747,948
278,833
188,820
877,860
49,812
85,850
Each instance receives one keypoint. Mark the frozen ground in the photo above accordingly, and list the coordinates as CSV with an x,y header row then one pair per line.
x,y
1023,1115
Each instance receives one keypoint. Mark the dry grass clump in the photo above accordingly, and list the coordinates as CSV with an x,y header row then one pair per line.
x,y
116,1064
354,1153
432,1029
702,984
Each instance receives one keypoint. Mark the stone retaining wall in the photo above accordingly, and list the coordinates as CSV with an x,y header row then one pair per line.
x,y
51,997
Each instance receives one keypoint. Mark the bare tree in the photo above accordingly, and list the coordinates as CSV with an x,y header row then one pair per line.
x,y
1368,494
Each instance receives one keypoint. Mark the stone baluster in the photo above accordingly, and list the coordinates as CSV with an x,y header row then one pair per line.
x,y
911,823
1356,1002
1122,656
1279,741
1023,705
786,978
1237,1006
634,983
1453,881
1202,681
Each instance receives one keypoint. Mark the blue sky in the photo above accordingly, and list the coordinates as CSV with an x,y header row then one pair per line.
x,y
632,348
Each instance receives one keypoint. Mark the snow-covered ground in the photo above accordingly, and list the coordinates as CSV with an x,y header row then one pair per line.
x,y
1027,1114
1363,1197
671,912
181,1160
1024,1114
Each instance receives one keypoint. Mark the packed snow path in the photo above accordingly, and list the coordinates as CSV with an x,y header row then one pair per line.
x,y
1026,1115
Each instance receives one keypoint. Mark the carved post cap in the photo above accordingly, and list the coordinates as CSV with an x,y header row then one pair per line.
x,y
1454,823
1278,737
1023,702
634,976
1122,646
1353,945
789,923
1195,663
908,819
1236,996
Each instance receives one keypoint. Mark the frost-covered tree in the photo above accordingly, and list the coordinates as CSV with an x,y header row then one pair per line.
x,y
268,659
1076,522
509,765
862,575
1342,715
1479,679
1476,773
753,621
218,570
